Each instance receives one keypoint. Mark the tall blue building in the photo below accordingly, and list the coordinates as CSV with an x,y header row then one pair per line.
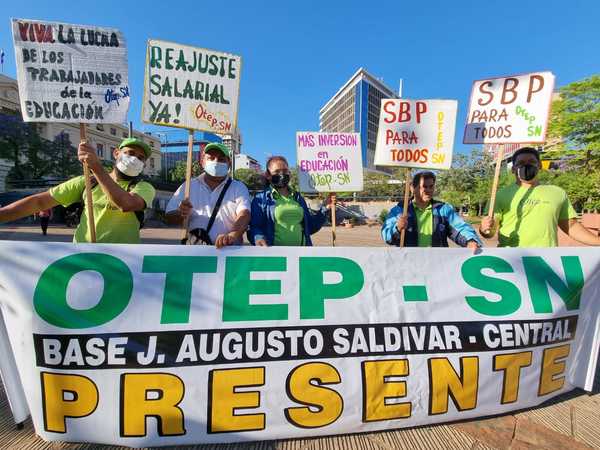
x,y
171,157
355,109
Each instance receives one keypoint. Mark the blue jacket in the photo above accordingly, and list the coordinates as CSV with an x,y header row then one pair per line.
x,y
446,224
262,222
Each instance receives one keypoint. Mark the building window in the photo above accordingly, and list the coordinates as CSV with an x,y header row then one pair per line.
x,y
113,131
112,153
125,134
151,163
151,143
100,127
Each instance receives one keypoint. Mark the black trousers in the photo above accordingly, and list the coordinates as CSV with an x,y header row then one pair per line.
x,y
44,223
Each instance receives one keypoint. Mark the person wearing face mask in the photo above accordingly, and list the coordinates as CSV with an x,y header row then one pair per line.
x,y
116,196
429,222
280,216
528,213
233,214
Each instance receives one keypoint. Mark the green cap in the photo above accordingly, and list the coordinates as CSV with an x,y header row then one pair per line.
x,y
135,142
219,147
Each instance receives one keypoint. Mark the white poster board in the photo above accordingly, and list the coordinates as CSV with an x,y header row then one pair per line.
x,y
416,133
329,162
71,73
155,345
512,109
191,87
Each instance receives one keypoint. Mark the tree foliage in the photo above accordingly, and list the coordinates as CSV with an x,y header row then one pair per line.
x,y
253,180
575,124
34,157
177,173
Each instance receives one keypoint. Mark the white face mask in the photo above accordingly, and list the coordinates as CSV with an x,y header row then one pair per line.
x,y
130,165
216,169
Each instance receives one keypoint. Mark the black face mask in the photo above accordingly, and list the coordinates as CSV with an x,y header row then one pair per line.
x,y
280,181
527,172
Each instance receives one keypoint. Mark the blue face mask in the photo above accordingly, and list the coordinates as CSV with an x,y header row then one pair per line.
x,y
216,169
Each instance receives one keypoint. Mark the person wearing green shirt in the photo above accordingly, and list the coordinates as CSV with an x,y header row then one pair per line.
x,y
116,196
529,214
427,222
279,215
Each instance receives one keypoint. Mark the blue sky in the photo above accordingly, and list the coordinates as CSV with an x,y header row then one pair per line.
x,y
296,55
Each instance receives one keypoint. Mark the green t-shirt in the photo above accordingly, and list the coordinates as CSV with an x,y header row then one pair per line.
x,y
112,225
424,224
528,217
288,220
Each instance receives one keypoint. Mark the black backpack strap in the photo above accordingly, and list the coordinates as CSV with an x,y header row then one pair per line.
x,y
215,210
93,184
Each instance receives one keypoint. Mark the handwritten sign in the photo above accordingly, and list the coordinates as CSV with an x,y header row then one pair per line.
x,y
416,133
71,73
510,109
190,87
329,162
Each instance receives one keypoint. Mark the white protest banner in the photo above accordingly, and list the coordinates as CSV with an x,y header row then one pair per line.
x,y
329,162
252,344
416,133
71,73
511,109
190,87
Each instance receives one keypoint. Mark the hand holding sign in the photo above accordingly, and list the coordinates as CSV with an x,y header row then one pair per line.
x,y
506,110
329,162
72,73
415,133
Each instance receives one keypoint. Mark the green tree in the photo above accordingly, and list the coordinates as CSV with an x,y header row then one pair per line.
x,y
177,173
469,180
575,124
376,185
65,157
33,157
253,180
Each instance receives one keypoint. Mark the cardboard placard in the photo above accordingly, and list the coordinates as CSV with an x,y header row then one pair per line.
x,y
71,73
191,87
329,162
511,109
416,133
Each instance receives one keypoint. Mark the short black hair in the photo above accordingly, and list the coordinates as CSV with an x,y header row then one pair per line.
x,y
422,175
523,150
273,159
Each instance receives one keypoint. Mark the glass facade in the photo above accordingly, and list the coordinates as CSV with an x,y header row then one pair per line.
x,y
356,109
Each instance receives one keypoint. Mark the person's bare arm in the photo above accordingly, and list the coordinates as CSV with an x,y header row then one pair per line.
x,y
578,232
125,201
27,206
237,230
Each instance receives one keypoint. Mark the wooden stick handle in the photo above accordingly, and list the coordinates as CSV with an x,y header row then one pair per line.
x,y
496,180
333,219
188,179
405,205
88,189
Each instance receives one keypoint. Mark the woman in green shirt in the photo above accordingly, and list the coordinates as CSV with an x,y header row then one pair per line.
x,y
279,215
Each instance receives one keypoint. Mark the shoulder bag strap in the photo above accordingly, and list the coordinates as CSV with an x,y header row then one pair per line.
x,y
215,210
